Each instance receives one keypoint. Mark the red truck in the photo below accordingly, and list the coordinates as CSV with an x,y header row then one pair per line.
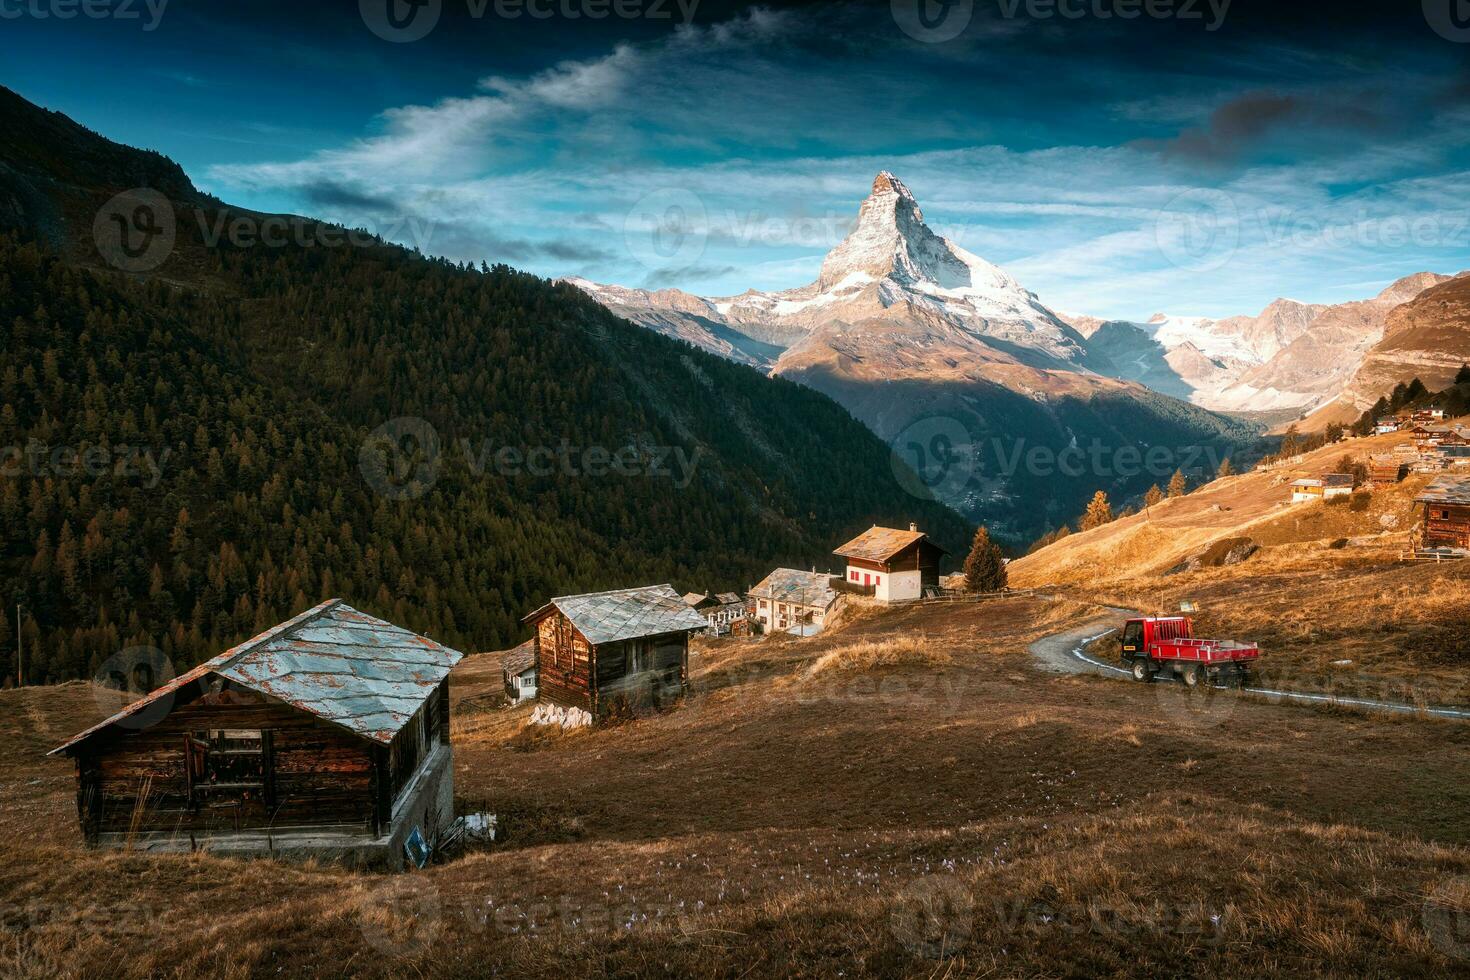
x,y
1167,645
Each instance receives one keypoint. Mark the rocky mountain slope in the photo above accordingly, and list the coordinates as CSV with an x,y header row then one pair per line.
x,y
1425,336
949,359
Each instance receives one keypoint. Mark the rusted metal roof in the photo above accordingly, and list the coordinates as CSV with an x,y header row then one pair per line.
x,y
1446,490
343,666
880,543
625,614
801,588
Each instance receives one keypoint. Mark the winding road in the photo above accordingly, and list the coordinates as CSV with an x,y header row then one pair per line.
x,y
1065,653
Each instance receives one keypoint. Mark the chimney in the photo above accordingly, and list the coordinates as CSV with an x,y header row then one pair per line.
x,y
913,527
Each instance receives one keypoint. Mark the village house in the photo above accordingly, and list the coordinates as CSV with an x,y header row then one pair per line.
x,y
614,653
1385,469
326,736
1330,485
897,565
518,670
720,609
788,599
1446,526
1385,426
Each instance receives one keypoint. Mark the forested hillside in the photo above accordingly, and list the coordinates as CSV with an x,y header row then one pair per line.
x,y
189,456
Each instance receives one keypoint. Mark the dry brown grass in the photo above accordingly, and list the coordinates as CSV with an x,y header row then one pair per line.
x,y
867,821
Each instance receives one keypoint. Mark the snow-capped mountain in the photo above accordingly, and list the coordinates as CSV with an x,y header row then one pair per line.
x,y
933,346
890,265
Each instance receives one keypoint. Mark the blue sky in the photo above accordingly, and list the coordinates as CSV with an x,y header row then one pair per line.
x,y
1202,164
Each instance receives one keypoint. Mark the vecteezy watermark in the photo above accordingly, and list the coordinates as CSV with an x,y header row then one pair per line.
x,y
127,676
1450,19
135,230
41,459
404,917
1201,229
400,458
937,458
1211,12
932,21
403,458
148,12
405,21
281,230
636,459
937,916
667,228
933,458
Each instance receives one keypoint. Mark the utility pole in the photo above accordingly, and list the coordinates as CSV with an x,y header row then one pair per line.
x,y
20,664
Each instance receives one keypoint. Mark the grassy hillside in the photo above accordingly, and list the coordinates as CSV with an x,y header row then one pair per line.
x,y
1326,596
902,796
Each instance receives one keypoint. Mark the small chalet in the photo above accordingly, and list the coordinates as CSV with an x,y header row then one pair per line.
x,y
325,736
1385,469
1385,426
612,653
1446,525
720,609
897,565
1329,486
790,599
518,670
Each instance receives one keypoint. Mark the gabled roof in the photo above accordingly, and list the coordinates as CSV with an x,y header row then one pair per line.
x,y
881,543
519,659
1306,482
360,673
729,598
624,614
802,588
1336,480
1446,490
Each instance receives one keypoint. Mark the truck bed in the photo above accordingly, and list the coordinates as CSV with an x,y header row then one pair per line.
x,y
1206,651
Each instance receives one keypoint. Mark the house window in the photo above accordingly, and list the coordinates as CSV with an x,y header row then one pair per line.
x,y
229,766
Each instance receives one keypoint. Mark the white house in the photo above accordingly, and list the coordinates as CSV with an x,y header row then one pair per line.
x,y
791,599
1329,486
896,565
518,670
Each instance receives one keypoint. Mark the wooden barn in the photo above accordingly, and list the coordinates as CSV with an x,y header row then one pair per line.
x,y
614,653
1386,468
1446,524
518,671
898,565
325,736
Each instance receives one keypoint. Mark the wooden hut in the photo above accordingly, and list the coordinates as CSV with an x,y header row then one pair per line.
x,y
1446,524
1385,469
614,653
518,672
325,736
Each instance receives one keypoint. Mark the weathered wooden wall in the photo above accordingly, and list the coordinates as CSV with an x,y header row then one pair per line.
x,y
563,663
1447,525
321,774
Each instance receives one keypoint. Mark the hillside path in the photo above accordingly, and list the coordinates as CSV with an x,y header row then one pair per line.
x,y
1063,653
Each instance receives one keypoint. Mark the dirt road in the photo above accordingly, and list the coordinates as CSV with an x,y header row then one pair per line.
x,y
1064,653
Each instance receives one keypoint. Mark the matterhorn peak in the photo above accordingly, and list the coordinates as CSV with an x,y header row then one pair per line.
x,y
892,242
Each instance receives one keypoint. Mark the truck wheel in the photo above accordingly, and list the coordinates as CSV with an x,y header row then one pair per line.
x,y
1193,676
1141,672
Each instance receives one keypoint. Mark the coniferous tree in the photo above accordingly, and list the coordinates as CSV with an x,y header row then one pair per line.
x,y
1225,469
1099,512
1178,486
985,566
1154,497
